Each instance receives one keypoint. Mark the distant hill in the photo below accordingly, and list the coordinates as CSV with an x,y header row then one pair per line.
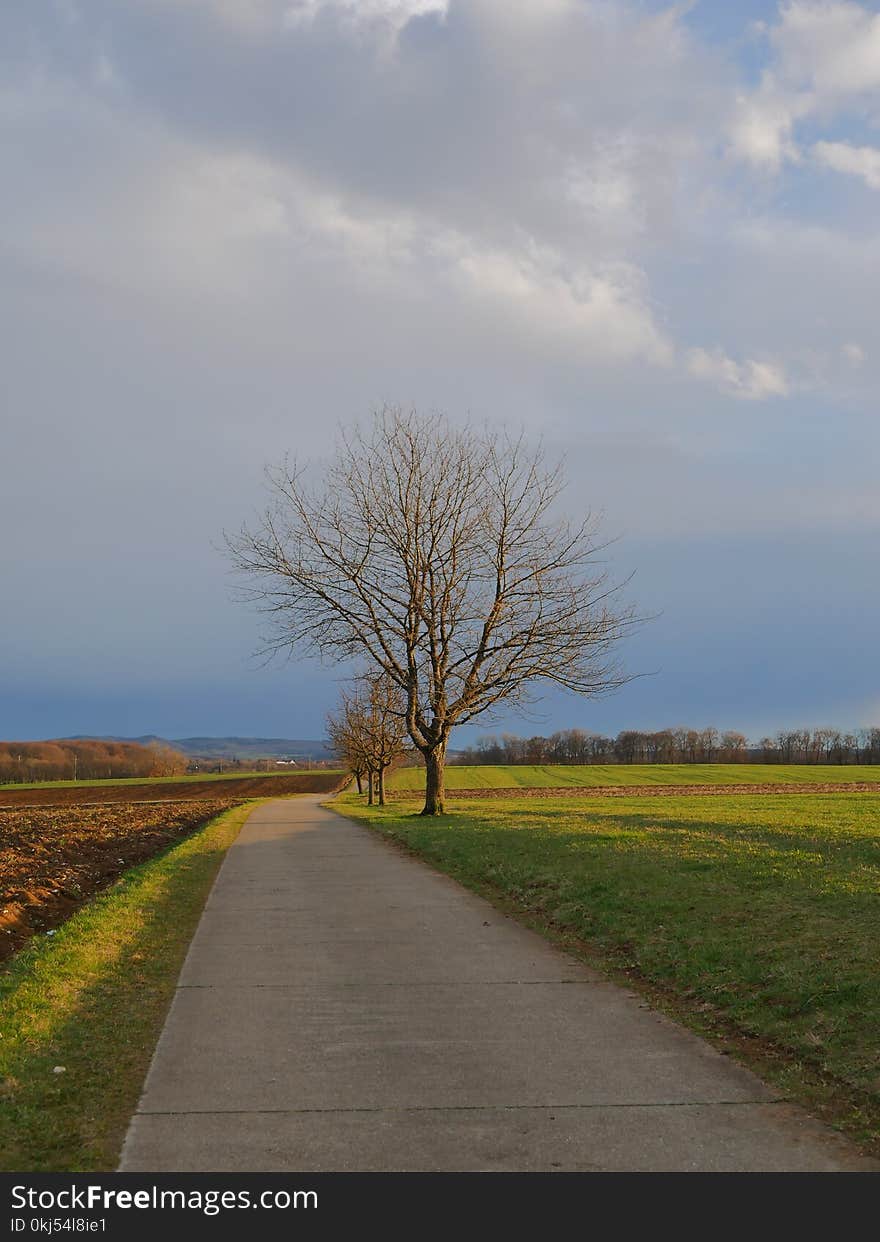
x,y
254,747
232,747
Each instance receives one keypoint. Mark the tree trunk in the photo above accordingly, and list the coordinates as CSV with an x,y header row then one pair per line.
x,y
435,763
360,783
381,787
369,789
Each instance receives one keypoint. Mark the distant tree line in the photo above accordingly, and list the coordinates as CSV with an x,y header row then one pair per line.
x,y
87,759
678,746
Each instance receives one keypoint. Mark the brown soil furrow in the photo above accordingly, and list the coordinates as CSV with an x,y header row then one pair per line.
x,y
52,859
647,791
236,789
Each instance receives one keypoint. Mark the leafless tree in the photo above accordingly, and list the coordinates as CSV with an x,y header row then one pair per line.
x,y
345,736
708,744
734,746
435,551
369,731
385,726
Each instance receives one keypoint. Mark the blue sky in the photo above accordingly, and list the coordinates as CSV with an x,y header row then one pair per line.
x,y
649,233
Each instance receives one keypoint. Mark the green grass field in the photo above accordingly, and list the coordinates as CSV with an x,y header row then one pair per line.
x,y
91,999
548,776
755,920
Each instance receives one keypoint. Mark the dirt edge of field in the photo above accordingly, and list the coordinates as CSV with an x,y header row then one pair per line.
x,y
645,791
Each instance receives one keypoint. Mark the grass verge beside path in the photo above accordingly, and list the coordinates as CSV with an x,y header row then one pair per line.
x,y
754,921
92,998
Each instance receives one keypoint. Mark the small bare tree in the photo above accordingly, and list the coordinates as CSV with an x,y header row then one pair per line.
x,y
435,552
369,731
345,736
386,726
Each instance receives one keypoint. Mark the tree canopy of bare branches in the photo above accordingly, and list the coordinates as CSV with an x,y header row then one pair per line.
x,y
436,552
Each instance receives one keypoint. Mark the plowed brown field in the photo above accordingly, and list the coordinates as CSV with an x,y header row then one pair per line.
x,y
53,859
235,788
58,846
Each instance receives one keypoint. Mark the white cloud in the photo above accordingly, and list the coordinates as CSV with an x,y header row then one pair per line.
x,y
547,174
853,353
602,314
762,128
167,217
751,380
395,13
861,162
394,10
262,18
508,154
825,62
830,49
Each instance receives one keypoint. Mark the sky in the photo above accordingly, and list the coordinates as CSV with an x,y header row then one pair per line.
x,y
649,233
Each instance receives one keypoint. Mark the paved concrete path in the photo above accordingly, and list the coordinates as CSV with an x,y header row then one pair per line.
x,y
344,1007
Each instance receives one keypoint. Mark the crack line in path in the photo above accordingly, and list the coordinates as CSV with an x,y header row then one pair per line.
x,y
421,983
456,1108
